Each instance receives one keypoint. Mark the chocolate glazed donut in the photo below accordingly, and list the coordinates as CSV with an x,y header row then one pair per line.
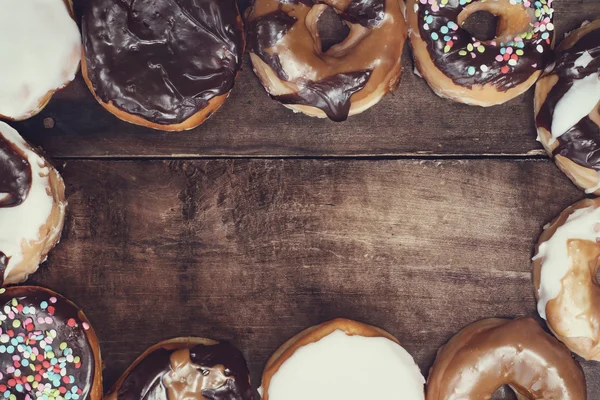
x,y
567,106
348,78
183,369
482,71
163,64
495,352
48,348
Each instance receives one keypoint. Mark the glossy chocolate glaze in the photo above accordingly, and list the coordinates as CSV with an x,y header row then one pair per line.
x,y
49,337
496,352
472,67
15,175
162,60
581,143
331,94
145,380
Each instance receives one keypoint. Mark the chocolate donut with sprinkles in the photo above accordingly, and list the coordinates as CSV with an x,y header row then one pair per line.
x,y
48,349
463,63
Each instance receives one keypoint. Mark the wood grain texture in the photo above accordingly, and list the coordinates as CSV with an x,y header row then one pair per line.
x,y
413,121
253,251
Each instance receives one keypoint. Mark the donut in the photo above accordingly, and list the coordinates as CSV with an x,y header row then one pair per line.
x,y
186,368
342,359
564,277
48,347
495,352
350,77
41,48
32,204
162,64
567,103
468,68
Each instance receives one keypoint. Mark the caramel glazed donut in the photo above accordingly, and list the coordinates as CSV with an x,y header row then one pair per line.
x,y
162,64
348,78
564,272
567,103
495,352
41,48
478,72
184,369
342,359
32,207
48,348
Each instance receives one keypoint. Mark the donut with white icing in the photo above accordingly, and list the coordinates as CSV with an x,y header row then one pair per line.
x,y
32,204
347,79
460,64
342,359
186,368
567,107
41,49
564,275
494,352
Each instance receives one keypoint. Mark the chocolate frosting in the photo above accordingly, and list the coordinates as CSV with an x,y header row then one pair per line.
x,y
331,94
469,61
581,143
15,175
162,60
146,379
43,336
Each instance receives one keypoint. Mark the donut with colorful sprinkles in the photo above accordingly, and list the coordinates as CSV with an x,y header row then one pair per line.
x,y
463,61
48,349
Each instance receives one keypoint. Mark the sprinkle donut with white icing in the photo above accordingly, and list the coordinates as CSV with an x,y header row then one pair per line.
x,y
41,49
342,359
476,70
567,107
32,207
564,275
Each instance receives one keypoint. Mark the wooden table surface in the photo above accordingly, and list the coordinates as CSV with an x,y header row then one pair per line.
x,y
418,216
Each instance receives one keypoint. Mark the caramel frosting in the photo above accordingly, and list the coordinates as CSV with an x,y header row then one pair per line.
x,y
569,111
31,204
41,48
349,77
193,371
495,352
45,351
565,265
162,60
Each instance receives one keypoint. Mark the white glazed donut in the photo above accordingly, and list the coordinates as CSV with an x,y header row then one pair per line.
x,y
564,275
342,359
40,46
32,204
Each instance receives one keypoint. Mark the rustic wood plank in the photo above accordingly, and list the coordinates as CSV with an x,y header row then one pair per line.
x,y
255,250
411,122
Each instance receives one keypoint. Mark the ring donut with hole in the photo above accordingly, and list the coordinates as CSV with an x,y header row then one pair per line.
x,y
186,368
567,106
350,77
41,48
564,276
495,352
342,359
32,207
472,70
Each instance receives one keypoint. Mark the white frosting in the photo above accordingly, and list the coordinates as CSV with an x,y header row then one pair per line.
x,y
556,263
348,367
578,102
40,46
22,223
584,60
